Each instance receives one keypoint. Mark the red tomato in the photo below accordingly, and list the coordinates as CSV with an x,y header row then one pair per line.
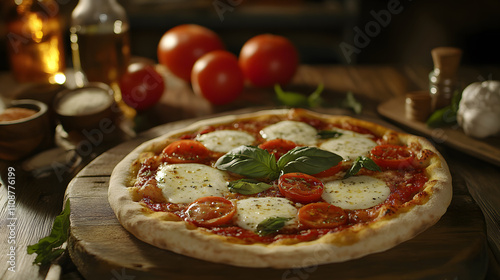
x,y
210,211
141,86
392,156
185,151
330,171
278,147
181,46
300,187
217,77
322,215
268,59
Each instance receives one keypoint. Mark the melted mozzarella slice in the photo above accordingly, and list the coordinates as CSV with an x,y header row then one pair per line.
x,y
252,211
298,132
223,141
184,183
349,146
358,192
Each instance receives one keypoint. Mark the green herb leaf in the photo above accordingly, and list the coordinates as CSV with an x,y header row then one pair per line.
x,y
309,160
47,248
349,102
315,100
442,117
249,161
445,116
359,163
248,186
455,100
254,162
291,99
295,99
327,134
271,225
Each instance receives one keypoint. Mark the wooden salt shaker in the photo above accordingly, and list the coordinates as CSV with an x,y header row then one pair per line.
x,y
442,80
418,105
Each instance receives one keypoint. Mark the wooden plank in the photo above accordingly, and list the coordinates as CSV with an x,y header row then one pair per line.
x,y
102,249
35,203
387,83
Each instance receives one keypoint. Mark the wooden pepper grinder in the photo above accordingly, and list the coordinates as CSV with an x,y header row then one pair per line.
x,y
442,80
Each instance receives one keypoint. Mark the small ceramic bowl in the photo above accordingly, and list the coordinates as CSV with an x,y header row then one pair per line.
x,y
86,108
23,134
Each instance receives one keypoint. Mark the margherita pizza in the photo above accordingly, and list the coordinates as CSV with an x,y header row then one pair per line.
x,y
280,188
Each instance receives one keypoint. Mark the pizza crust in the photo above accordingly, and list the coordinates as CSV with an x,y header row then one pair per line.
x,y
354,242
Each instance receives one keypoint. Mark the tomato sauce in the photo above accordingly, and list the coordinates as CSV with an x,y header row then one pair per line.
x,y
405,186
177,209
321,125
249,237
243,235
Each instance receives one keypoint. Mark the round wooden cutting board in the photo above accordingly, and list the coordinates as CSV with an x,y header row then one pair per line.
x,y
454,248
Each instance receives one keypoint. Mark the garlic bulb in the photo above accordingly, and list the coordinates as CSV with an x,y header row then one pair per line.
x,y
479,109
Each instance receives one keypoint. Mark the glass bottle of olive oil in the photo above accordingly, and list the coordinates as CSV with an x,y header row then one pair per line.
x,y
100,45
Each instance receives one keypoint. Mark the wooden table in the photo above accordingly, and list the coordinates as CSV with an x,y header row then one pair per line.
x,y
39,200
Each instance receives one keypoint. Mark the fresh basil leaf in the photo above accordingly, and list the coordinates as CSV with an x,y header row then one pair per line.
x,y
359,163
291,99
254,162
271,225
47,258
328,134
47,248
295,99
249,161
369,164
355,168
315,100
455,100
309,160
349,102
442,117
248,186
446,116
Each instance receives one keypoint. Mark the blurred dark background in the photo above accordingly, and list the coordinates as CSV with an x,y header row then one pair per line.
x,y
320,27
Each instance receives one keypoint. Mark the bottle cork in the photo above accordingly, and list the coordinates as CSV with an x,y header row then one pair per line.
x,y
447,60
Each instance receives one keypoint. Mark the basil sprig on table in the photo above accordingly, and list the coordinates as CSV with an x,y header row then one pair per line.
x,y
254,162
49,247
446,116
271,225
350,102
295,99
359,163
